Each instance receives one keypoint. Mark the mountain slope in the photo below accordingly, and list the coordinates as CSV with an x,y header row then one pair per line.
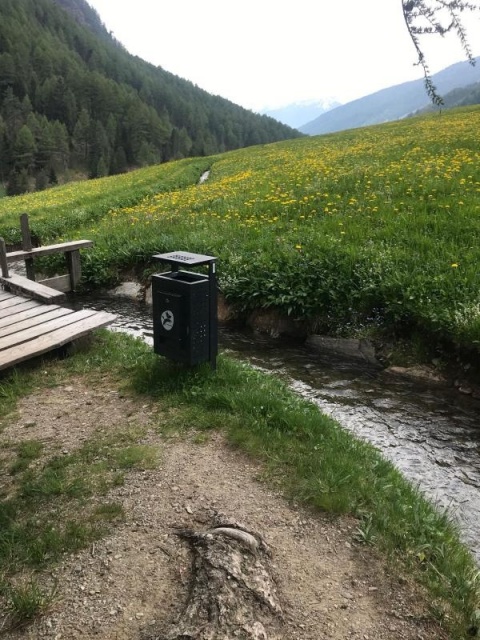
x,y
297,114
85,15
392,103
72,99
460,97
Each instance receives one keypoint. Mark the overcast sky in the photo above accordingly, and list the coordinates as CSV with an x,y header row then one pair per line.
x,y
270,53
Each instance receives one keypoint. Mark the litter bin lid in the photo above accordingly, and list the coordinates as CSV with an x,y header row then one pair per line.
x,y
184,257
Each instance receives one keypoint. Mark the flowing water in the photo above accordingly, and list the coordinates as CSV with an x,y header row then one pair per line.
x,y
430,433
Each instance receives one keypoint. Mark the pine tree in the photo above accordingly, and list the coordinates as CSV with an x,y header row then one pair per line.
x,y
12,113
24,149
61,152
18,182
7,70
81,136
3,149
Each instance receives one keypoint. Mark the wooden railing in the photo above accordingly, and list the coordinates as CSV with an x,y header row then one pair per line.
x,y
62,283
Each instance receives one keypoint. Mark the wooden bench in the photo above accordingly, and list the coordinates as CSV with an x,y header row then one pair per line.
x,y
31,323
28,253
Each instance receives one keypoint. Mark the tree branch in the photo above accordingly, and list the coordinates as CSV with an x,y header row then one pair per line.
x,y
439,17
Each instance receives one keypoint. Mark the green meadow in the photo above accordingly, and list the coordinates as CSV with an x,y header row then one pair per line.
x,y
358,233
359,230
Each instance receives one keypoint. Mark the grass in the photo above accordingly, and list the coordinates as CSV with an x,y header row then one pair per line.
x,y
25,601
368,230
62,210
360,231
26,453
306,455
56,503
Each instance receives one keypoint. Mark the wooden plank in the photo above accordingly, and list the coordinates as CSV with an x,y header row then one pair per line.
x,y
27,245
12,301
3,259
27,304
74,268
59,283
33,289
4,294
15,355
45,327
32,312
52,313
37,252
26,235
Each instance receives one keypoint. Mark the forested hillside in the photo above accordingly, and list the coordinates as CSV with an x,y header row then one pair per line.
x,y
461,97
73,101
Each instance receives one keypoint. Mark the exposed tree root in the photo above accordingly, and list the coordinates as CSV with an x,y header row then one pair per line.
x,y
232,593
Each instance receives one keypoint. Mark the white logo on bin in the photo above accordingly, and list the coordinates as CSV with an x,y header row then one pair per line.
x,y
167,319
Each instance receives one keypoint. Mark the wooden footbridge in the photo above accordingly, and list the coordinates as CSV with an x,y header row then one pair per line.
x,y
32,320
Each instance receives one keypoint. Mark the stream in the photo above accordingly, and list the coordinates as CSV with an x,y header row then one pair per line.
x,y
431,434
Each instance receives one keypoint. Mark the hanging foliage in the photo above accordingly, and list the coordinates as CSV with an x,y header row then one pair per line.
x,y
439,17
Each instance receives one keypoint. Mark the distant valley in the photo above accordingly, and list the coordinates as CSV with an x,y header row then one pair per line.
x,y
297,114
458,84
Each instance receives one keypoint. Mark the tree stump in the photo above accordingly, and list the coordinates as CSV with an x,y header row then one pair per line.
x,y
232,593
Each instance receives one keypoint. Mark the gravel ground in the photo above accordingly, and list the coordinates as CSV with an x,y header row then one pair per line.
x,y
135,582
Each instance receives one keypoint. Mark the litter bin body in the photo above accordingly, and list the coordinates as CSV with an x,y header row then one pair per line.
x,y
185,312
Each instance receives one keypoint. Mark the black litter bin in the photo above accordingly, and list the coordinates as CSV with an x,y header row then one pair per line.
x,y
185,327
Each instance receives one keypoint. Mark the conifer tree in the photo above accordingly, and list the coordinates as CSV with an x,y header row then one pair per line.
x,y
24,148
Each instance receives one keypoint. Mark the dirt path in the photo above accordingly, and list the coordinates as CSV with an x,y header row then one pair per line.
x,y
135,582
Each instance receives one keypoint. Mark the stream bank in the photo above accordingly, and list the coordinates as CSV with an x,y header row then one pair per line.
x,y
396,357
416,417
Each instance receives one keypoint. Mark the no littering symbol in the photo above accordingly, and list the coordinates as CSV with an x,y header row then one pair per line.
x,y
167,319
